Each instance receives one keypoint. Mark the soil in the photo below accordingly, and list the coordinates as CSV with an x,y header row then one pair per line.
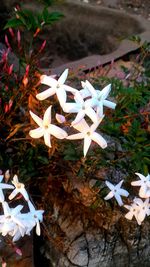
x,y
137,7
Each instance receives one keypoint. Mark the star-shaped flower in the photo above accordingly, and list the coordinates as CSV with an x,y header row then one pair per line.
x,y
36,216
144,184
46,128
57,87
82,108
116,191
10,218
139,209
4,186
98,98
19,189
88,134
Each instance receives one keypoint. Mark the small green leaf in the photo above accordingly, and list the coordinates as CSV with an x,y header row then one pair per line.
x,y
13,23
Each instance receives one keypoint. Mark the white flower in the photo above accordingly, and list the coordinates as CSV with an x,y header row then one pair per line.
x,y
46,128
57,87
36,216
19,188
139,209
10,218
98,98
4,186
82,108
117,192
88,134
144,184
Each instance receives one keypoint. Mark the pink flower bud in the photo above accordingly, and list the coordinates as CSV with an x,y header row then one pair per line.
x,y
10,69
42,46
11,32
6,41
19,38
60,118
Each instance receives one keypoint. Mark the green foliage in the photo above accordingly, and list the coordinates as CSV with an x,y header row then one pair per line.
x,y
33,20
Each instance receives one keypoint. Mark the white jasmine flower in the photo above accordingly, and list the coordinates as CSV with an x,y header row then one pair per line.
x,y
117,192
144,184
4,186
10,218
46,128
82,108
88,134
19,188
57,87
36,216
98,98
139,209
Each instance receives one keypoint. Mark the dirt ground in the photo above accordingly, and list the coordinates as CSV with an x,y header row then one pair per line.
x,y
138,7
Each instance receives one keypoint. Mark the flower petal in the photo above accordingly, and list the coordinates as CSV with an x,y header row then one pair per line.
x,y
91,114
48,80
45,94
99,140
36,133
47,139
118,198
109,195
75,136
63,77
87,143
79,117
47,116
109,104
37,119
57,131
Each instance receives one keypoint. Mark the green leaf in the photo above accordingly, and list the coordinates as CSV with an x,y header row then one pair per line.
x,y
13,23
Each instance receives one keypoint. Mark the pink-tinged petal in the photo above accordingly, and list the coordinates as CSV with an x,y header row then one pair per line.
x,y
109,104
129,215
13,194
47,116
123,192
63,77
37,133
82,126
109,185
47,139
60,118
79,117
71,108
141,215
136,183
61,95
37,119
118,198
90,87
95,125
45,94
99,140
142,191
48,80
110,195
15,179
87,143
38,229
57,131
105,92
76,136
